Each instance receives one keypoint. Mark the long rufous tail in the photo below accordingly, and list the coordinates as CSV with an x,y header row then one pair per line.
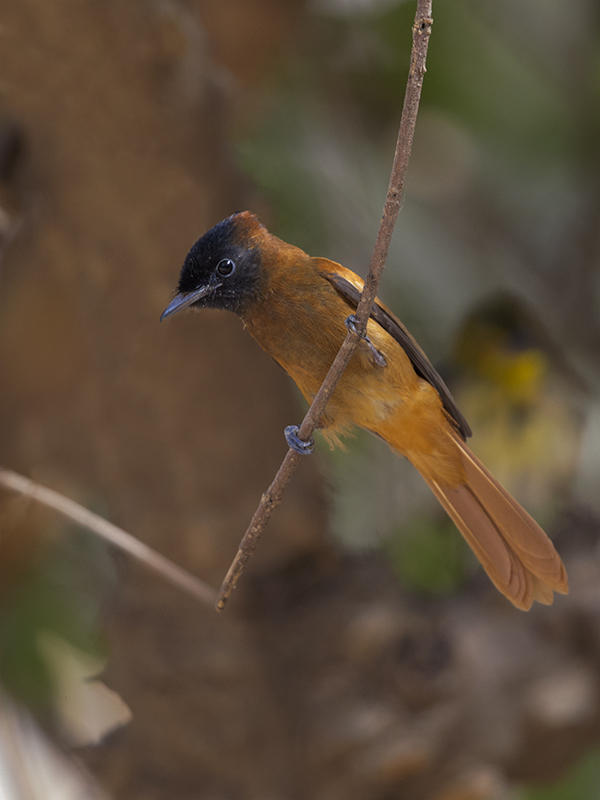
x,y
515,552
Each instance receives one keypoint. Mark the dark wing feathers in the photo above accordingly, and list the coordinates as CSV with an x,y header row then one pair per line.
x,y
396,329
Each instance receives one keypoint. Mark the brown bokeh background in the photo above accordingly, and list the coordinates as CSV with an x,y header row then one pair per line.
x,y
126,130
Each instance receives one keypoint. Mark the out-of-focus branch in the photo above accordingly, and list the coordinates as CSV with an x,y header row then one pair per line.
x,y
272,497
110,533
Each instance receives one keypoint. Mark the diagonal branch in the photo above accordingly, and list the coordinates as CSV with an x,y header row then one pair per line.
x,y
272,497
111,533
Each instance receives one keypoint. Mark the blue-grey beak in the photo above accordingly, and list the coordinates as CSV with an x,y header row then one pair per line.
x,y
185,299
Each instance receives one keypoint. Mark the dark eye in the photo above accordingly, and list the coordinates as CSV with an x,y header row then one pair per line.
x,y
226,267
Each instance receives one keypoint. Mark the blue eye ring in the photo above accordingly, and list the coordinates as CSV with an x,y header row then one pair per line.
x,y
225,267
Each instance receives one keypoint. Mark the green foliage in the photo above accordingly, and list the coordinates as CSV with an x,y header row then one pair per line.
x,y
429,556
54,597
581,783
274,156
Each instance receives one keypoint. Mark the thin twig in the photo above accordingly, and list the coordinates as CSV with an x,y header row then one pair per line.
x,y
111,533
272,497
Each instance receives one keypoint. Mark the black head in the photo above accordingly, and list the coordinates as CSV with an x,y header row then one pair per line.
x,y
222,270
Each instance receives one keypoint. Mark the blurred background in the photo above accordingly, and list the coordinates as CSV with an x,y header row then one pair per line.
x,y
365,656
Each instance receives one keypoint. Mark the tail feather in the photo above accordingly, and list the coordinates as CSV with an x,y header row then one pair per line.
x,y
518,528
543,593
515,552
503,567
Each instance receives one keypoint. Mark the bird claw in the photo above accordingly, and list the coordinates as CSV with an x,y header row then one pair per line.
x,y
351,323
296,443
378,358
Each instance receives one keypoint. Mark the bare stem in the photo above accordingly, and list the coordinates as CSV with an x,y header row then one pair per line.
x,y
110,533
272,497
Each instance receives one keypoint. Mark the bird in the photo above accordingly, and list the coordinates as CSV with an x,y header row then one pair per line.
x,y
298,308
514,380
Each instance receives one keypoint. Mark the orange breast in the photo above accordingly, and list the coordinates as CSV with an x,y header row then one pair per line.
x,y
299,320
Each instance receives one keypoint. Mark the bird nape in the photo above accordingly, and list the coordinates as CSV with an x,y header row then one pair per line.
x,y
296,307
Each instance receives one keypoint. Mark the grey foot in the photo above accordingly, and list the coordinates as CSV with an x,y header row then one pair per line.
x,y
377,356
296,443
